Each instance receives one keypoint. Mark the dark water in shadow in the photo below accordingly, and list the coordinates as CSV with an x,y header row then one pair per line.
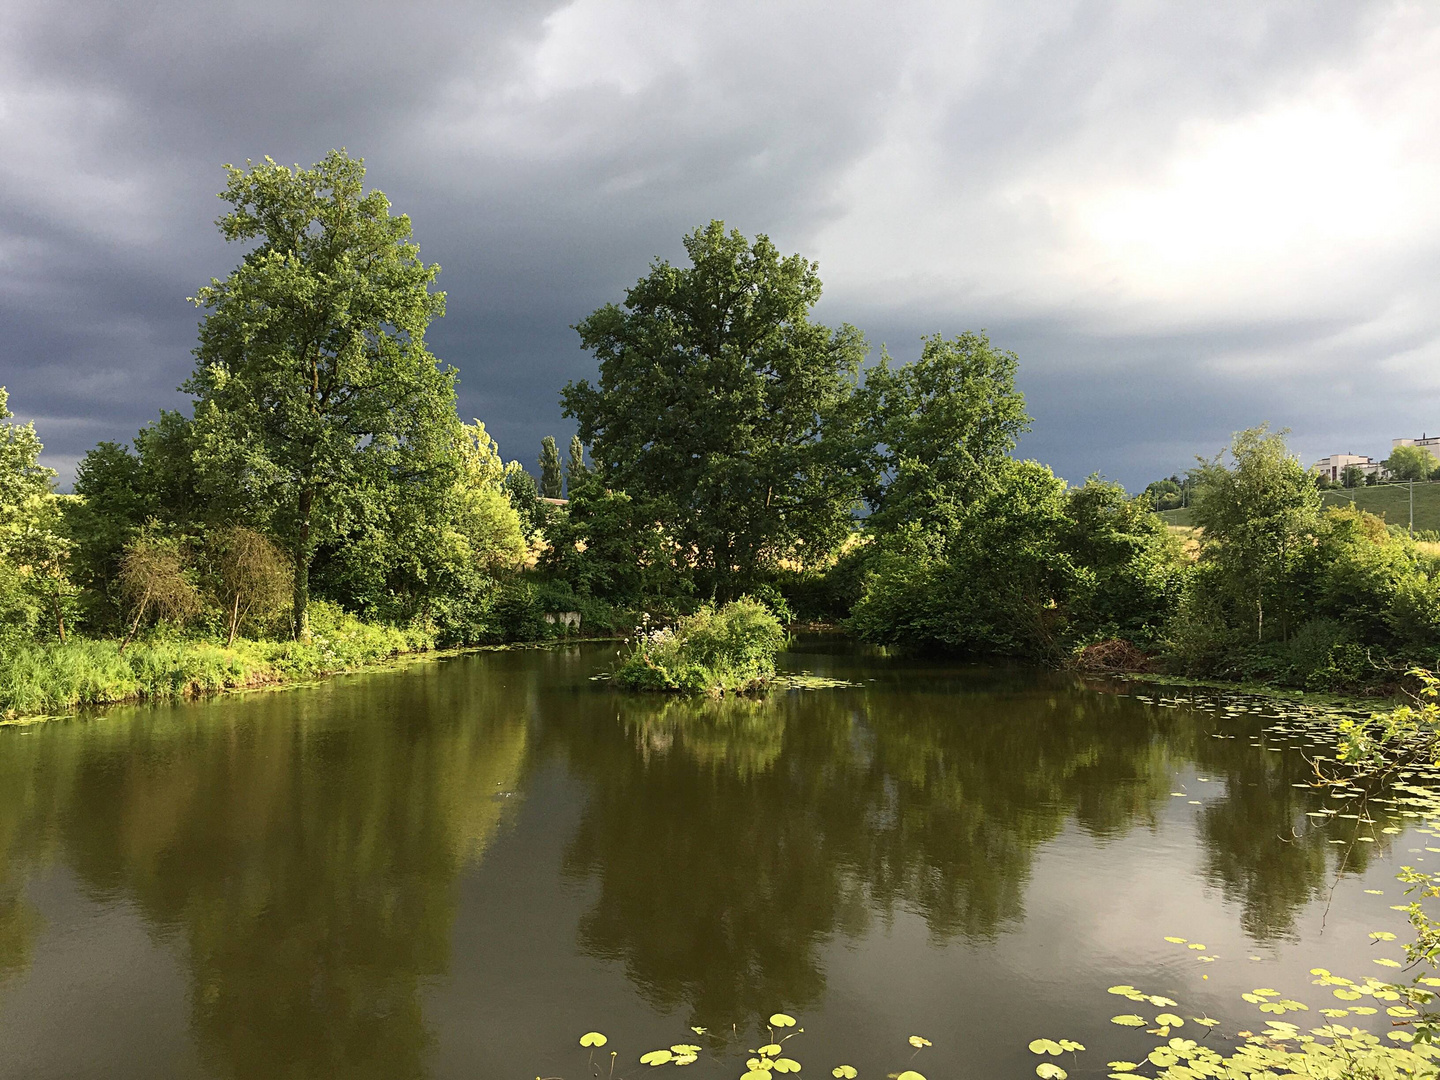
x,y
454,869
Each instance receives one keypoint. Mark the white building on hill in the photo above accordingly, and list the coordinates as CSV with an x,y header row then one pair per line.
x,y
1335,465
1430,442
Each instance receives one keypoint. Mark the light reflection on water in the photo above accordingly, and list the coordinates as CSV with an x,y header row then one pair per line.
x,y
456,868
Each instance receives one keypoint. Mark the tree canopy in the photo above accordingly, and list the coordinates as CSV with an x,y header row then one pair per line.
x,y
938,429
718,405
317,401
1411,463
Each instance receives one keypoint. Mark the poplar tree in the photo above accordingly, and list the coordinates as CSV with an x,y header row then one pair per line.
x,y
552,483
318,403
575,471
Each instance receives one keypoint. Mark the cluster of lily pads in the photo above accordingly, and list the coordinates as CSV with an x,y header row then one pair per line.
x,y
765,1060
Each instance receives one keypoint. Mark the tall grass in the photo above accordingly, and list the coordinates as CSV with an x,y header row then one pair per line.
x,y
727,650
54,678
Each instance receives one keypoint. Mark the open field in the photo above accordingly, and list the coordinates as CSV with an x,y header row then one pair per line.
x,y
1388,501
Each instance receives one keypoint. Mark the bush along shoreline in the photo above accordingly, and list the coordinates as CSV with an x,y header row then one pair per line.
x,y
725,650
55,678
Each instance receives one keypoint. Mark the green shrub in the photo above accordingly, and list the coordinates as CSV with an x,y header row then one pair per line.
x,y
727,650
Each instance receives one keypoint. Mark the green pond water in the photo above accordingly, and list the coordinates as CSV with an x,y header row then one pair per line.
x,y
456,868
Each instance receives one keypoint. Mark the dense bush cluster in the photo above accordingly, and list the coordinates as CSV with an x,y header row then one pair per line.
x,y
729,649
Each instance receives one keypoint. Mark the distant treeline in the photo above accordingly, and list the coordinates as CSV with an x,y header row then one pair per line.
x,y
736,447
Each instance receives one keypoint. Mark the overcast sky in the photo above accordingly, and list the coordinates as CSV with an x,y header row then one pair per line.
x,y
1185,217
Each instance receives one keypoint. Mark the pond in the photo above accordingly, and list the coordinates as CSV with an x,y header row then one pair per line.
x,y
456,868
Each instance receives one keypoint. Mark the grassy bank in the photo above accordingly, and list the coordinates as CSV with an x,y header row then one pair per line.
x,y
37,680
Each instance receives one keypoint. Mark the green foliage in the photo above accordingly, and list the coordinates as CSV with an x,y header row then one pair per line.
x,y
36,594
437,561
576,471
1360,604
1259,517
1411,463
1030,569
317,403
552,482
55,677
731,649
1171,493
608,546
722,409
524,495
935,431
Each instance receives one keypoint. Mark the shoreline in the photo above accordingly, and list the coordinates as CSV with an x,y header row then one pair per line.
x,y
276,681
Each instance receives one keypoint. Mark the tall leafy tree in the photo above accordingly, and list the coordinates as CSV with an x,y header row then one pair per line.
x,y
318,402
1259,514
718,405
552,481
1410,463
35,588
938,429
575,469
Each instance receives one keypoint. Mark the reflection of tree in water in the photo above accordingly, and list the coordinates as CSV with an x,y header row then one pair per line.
x,y
306,847
35,780
1259,848
731,838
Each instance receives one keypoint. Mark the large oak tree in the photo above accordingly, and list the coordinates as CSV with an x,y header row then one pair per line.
x,y
720,406
318,403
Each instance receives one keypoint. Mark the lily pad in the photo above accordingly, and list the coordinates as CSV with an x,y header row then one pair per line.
x,y
844,1072
656,1057
782,1020
593,1038
1046,1046
1128,1020
1048,1070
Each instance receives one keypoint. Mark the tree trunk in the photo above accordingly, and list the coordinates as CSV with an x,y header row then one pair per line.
x,y
234,620
144,601
302,568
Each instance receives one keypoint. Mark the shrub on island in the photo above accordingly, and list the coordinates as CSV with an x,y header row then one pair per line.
x,y
730,649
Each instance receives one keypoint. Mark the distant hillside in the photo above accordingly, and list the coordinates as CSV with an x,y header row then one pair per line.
x,y
1392,502
1388,501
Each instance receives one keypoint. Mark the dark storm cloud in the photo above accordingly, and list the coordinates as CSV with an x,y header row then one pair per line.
x,y
948,164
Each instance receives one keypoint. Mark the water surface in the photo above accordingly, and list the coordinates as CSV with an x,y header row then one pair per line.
x,y
454,869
